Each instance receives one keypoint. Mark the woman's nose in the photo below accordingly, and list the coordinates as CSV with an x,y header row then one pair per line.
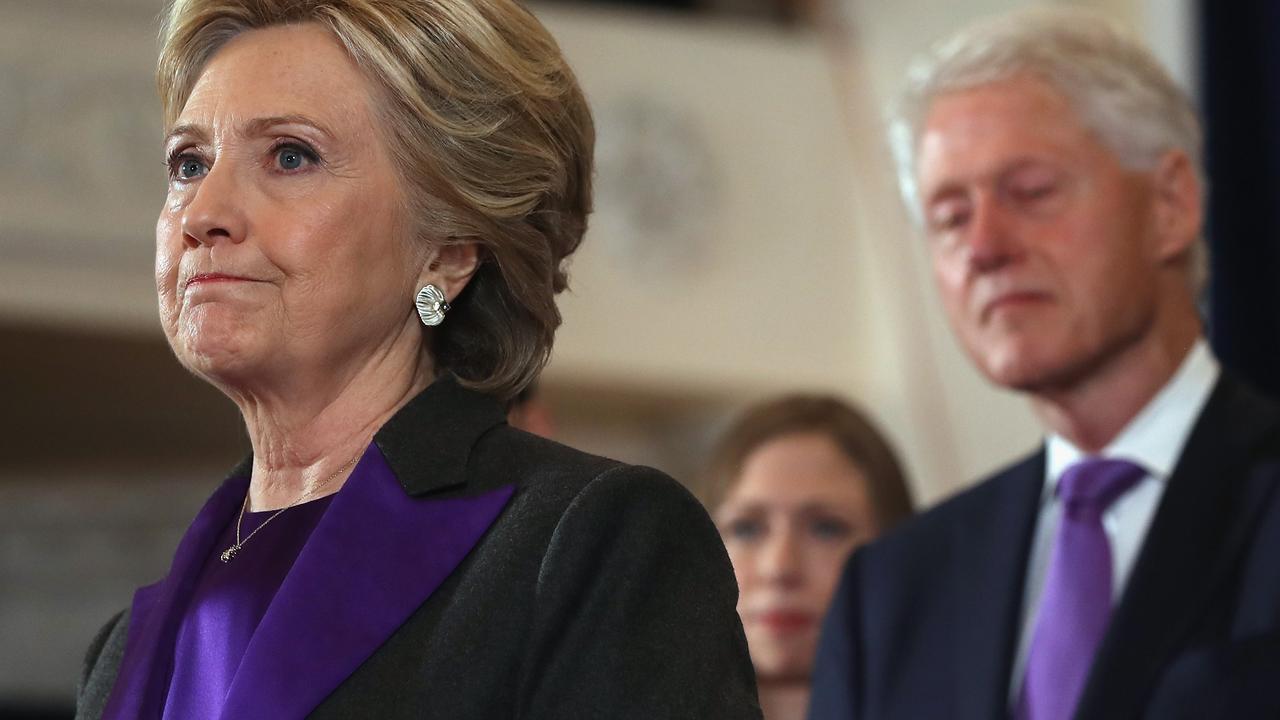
x,y
781,559
216,212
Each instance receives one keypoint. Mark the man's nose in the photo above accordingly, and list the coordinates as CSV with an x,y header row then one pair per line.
x,y
990,241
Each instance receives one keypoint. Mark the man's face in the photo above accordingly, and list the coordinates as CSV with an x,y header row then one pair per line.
x,y
1047,252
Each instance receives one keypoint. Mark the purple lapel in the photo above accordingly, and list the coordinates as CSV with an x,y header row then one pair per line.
x,y
376,556
158,609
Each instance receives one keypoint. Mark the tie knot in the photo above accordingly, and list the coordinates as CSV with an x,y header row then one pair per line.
x,y
1095,484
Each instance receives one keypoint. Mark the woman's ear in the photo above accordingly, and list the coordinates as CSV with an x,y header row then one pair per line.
x,y
450,267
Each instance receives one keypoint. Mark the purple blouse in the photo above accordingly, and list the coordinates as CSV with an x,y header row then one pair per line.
x,y
371,558
228,603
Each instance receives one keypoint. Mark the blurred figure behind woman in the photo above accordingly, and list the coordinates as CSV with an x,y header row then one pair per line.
x,y
795,485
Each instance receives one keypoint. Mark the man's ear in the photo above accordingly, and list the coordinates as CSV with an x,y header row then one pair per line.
x,y
1179,204
450,267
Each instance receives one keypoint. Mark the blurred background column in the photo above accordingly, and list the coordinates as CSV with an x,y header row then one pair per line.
x,y
1240,92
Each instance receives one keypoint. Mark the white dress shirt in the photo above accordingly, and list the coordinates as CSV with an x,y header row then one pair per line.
x,y
1154,440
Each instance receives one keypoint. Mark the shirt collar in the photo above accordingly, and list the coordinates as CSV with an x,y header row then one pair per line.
x,y
1155,436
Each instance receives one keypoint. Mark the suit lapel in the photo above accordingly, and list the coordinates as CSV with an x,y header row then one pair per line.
x,y
375,557
390,537
157,611
1200,528
988,584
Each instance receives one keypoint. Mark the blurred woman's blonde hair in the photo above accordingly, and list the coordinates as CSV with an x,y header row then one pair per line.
x,y
493,141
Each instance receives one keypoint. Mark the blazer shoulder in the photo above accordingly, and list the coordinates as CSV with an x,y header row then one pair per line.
x,y
1240,397
101,665
634,596
896,574
1240,415
506,454
648,501
930,532
554,482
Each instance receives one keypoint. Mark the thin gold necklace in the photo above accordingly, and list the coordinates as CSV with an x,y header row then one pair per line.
x,y
234,549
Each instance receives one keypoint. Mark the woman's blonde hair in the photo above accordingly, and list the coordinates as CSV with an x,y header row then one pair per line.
x,y
493,140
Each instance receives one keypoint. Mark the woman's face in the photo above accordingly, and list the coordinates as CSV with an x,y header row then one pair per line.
x,y
796,511
281,248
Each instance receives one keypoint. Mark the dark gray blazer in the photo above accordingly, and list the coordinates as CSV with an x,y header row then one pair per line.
x,y
468,570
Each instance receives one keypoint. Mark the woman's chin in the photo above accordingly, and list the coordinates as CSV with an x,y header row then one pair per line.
x,y
219,352
782,665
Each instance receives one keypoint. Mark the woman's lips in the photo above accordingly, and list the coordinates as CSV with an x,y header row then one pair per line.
x,y
787,621
214,278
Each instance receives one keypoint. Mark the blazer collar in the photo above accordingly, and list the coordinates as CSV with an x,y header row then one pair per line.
x,y
381,549
377,555
1201,527
156,615
429,440
988,585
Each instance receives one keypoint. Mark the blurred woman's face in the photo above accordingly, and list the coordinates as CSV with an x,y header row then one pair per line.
x,y
790,521
281,248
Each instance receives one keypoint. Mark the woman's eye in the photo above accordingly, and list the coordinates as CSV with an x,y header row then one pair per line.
x,y
744,530
293,157
187,167
290,159
829,529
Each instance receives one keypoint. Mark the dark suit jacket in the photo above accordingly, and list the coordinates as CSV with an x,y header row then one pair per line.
x,y
468,570
925,622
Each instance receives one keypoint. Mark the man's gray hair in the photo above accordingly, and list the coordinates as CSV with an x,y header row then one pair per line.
x,y
1117,88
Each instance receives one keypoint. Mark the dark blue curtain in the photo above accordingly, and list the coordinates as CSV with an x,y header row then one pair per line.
x,y
1240,92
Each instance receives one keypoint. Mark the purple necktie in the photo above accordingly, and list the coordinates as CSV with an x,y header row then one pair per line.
x,y
1076,601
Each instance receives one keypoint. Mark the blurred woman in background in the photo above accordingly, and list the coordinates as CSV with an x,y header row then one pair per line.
x,y
795,485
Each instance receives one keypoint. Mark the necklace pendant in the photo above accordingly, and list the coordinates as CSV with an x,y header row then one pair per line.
x,y
230,553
